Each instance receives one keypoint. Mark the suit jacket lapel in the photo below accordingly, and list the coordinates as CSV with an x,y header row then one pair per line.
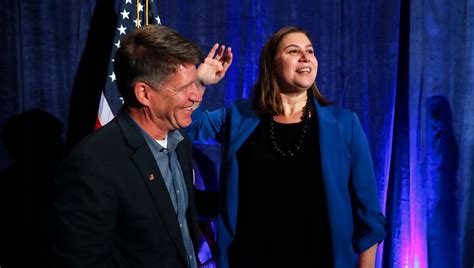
x,y
150,173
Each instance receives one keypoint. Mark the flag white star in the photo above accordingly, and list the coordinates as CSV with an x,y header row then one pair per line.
x,y
112,76
125,14
122,29
137,22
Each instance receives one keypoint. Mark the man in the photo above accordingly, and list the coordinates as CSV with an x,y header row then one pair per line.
x,y
125,194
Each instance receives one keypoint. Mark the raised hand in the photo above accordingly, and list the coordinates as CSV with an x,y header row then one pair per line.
x,y
215,65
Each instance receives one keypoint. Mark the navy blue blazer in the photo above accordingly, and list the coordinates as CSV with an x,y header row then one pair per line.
x,y
112,205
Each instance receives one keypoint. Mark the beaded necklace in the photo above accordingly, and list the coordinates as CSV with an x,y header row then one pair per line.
x,y
296,146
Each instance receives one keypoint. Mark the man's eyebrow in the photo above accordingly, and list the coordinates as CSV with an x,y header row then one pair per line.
x,y
183,86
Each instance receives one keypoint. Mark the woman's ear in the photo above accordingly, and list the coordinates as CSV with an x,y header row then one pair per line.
x,y
142,93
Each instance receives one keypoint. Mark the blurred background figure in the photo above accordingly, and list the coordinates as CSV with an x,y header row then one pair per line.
x,y
33,138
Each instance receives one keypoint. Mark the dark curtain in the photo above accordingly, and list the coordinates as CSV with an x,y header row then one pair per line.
x,y
405,67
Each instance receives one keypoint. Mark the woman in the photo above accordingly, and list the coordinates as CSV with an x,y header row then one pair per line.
x,y
298,188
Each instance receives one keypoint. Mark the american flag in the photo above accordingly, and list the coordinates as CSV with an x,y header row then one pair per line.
x,y
132,15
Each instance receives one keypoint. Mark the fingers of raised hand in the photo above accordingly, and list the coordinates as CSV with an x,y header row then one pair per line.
x,y
213,50
220,53
216,54
228,57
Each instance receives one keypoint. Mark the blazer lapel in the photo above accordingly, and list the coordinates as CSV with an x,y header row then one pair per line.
x,y
150,173
329,142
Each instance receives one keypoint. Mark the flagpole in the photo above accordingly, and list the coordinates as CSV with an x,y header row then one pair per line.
x,y
146,12
138,15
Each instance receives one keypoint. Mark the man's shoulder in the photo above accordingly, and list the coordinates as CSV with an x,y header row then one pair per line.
x,y
101,140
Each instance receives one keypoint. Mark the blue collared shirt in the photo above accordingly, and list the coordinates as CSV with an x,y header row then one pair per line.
x,y
169,166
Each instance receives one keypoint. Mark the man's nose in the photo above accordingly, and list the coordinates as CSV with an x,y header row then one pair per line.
x,y
195,93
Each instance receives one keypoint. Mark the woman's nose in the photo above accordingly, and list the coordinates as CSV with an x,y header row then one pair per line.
x,y
304,57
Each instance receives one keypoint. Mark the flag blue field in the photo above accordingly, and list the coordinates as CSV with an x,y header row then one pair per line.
x,y
132,14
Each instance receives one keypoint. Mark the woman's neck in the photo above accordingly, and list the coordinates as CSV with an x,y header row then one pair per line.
x,y
293,108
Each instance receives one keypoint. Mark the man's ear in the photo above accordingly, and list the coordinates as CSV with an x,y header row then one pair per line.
x,y
142,93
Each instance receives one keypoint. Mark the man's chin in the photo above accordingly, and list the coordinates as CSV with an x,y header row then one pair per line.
x,y
185,124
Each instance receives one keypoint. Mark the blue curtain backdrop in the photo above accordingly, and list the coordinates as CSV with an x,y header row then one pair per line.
x,y
405,67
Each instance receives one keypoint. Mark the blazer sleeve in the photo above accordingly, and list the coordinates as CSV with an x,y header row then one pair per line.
x,y
369,223
207,125
85,208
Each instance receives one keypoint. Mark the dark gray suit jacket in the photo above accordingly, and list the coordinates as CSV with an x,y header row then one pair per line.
x,y
112,206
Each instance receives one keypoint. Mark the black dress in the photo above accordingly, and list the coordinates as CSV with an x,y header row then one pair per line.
x,y
282,214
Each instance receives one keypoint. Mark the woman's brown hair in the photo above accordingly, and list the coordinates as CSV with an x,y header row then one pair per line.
x,y
267,93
